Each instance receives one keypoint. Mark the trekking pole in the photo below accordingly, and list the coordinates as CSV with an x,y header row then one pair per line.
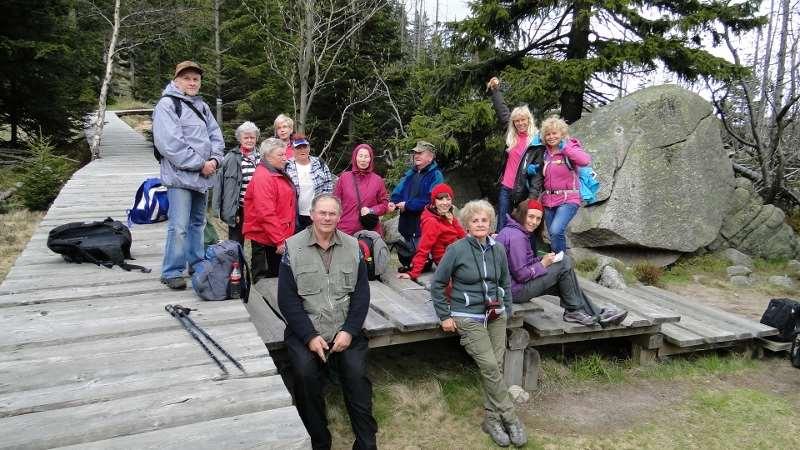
x,y
174,313
184,312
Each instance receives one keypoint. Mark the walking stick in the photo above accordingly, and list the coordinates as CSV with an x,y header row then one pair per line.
x,y
174,313
184,312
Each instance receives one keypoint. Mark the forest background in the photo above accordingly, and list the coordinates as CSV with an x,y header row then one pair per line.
x,y
386,73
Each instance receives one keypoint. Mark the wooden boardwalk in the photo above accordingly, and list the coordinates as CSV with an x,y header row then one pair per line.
x,y
89,358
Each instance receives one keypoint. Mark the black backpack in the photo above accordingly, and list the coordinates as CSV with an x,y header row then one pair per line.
x,y
177,102
783,314
794,354
106,243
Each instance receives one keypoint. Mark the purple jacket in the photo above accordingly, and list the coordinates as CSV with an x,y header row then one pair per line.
x,y
523,263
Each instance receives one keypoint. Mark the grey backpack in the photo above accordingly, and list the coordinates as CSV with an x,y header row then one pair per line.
x,y
374,251
211,278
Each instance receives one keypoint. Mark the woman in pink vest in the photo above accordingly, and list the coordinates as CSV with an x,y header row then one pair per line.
x,y
362,193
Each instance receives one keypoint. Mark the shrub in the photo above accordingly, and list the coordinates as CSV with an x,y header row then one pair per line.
x,y
586,265
648,273
43,175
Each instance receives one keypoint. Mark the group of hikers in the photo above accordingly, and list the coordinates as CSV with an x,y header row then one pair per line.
x,y
300,222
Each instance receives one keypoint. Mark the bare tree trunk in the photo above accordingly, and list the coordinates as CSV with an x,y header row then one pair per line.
x,y
304,64
775,154
218,56
101,101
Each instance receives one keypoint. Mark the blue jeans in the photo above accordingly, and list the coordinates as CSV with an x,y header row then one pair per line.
x,y
557,220
503,207
187,218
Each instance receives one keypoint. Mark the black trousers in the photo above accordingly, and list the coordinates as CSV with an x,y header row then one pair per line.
x,y
310,379
235,233
264,262
562,281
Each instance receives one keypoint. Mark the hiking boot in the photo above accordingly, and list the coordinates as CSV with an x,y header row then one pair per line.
x,y
403,269
494,428
580,317
612,316
516,433
177,283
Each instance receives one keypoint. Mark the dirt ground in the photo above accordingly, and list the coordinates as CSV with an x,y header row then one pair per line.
x,y
749,303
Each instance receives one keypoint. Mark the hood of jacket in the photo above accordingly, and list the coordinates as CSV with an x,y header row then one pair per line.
x,y
353,164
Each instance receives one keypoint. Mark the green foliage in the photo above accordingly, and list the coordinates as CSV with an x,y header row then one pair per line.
x,y
686,267
648,273
586,265
698,365
47,60
595,367
44,175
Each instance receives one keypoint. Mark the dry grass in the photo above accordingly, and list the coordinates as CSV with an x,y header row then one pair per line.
x,y
16,228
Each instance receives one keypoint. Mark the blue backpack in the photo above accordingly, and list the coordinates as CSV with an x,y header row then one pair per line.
x,y
587,178
211,277
151,204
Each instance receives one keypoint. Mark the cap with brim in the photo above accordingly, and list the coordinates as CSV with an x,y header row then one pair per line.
x,y
299,143
187,65
423,146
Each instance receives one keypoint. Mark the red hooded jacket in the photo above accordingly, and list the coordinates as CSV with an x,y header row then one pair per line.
x,y
437,234
270,206
372,189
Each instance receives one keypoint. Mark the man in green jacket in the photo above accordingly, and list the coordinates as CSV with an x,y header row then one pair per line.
x,y
323,293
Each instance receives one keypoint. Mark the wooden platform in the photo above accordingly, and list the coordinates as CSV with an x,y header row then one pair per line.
x,y
90,359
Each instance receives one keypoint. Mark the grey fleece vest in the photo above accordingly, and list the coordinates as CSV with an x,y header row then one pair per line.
x,y
326,296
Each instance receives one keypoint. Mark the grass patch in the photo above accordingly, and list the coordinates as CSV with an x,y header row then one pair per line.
x,y
596,368
16,228
648,273
586,265
683,271
697,365
128,103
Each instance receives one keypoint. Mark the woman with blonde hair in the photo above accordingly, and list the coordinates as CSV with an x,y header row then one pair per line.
x,y
471,295
521,178
561,196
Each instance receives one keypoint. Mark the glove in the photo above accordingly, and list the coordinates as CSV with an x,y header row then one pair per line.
x,y
532,169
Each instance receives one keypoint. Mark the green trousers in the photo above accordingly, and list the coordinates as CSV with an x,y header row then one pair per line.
x,y
487,345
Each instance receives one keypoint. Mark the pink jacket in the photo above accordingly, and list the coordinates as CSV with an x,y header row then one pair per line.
x,y
372,189
560,183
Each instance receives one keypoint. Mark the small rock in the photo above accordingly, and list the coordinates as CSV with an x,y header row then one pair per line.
x,y
793,265
736,257
741,280
739,270
612,279
518,395
781,280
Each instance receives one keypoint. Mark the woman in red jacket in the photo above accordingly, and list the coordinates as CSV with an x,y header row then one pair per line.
x,y
362,193
440,228
270,210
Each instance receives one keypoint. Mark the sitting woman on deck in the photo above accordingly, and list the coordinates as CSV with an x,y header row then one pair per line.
x,y
440,228
471,296
532,276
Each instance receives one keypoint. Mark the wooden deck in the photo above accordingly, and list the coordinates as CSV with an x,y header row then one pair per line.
x,y
89,358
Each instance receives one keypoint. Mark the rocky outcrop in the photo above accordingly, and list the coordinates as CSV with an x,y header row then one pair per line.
x,y
665,175
755,228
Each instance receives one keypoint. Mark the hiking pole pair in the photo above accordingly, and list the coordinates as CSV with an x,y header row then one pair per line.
x,y
181,313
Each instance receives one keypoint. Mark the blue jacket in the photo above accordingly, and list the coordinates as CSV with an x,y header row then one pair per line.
x,y
415,201
186,142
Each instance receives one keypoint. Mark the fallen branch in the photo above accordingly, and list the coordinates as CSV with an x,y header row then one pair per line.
x,y
752,175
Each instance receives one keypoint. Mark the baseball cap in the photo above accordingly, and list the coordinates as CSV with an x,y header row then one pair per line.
x,y
422,146
187,65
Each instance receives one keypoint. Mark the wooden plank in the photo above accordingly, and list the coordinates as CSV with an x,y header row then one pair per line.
x,y
84,320
637,304
758,329
680,336
775,346
264,430
712,326
179,405
38,367
64,278
567,338
108,388
631,320
568,327
406,310
72,293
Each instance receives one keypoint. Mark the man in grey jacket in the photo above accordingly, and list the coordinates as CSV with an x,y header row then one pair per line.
x,y
191,146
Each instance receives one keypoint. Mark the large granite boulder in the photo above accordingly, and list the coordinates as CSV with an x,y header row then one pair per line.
x,y
666,178
755,228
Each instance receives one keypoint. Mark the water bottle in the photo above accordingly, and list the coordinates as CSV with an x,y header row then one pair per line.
x,y
235,282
